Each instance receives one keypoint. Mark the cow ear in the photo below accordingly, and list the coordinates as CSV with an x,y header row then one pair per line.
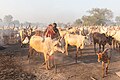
x,y
59,39
55,43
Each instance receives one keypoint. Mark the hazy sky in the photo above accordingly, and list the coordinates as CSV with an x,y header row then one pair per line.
x,y
46,11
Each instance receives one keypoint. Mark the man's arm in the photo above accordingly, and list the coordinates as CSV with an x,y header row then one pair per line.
x,y
57,32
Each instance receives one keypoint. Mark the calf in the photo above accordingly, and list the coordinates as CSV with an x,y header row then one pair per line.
x,y
105,58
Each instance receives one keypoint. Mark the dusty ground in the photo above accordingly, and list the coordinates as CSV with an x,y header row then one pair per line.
x,y
14,65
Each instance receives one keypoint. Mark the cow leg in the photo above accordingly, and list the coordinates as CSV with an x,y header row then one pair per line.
x,y
66,48
30,51
113,44
119,47
103,47
81,52
76,54
99,47
107,66
48,62
21,45
103,69
46,57
95,47
116,44
53,60
45,62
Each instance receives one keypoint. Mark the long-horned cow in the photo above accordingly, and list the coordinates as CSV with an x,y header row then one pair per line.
x,y
46,46
104,57
75,40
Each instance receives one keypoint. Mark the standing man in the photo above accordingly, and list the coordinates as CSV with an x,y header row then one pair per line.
x,y
52,31
49,32
57,34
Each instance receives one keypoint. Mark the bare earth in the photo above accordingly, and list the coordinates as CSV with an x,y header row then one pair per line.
x,y
14,65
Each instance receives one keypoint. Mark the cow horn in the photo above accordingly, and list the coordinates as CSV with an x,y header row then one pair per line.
x,y
83,31
114,33
104,51
102,28
107,33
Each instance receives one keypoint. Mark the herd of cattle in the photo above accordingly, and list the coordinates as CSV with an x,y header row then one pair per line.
x,y
74,36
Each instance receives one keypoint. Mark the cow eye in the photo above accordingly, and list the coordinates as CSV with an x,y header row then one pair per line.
x,y
85,37
55,45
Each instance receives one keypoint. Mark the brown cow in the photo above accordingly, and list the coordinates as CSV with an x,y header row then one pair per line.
x,y
105,58
101,39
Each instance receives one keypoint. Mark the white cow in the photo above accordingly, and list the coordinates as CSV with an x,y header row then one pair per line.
x,y
62,32
116,36
103,29
75,40
47,47
72,30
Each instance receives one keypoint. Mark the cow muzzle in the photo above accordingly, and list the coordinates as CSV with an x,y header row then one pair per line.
x,y
62,50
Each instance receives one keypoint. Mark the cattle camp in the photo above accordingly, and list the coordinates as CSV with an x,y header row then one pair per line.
x,y
59,40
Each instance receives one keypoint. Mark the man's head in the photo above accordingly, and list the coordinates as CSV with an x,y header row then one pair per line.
x,y
54,25
50,25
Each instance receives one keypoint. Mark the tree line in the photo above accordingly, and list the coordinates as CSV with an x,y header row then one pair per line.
x,y
98,16
8,20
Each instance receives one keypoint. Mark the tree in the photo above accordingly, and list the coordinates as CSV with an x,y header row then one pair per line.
x,y
16,22
78,22
97,16
117,19
60,24
88,20
8,19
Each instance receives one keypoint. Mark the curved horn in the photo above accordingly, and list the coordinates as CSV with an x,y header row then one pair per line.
x,y
114,33
107,33
104,51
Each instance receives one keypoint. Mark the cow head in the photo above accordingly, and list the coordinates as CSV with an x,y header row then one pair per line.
x,y
85,41
99,55
89,39
62,41
109,40
57,46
